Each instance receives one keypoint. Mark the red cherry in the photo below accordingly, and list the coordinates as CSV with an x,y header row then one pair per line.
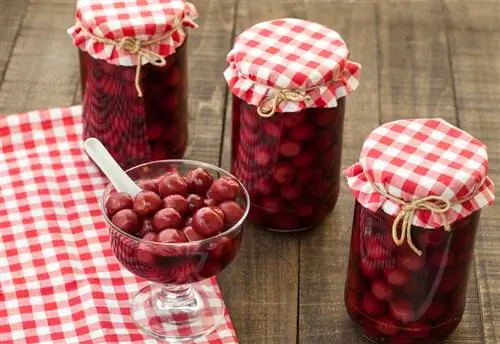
x,y
304,209
291,192
435,310
250,137
195,202
262,157
173,184
373,306
174,77
118,201
381,289
150,236
127,220
198,181
233,212
284,173
410,261
451,279
369,268
430,238
304,132
289,148
387,326
155,131
271,204
218,211
145,255
354,281
303,159
266,186
159,152
292,119
375,250
176,202
224,189
191,234
219,249
171,235
323,118
397,277
167,218
146,203
308,176
148,185
271,128
401,311
211,268
207,222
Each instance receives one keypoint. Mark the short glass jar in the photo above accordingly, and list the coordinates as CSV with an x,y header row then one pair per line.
x,y
420,186
393,294
290,163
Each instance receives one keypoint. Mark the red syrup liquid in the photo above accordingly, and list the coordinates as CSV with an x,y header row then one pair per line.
x,y
289,163
134,129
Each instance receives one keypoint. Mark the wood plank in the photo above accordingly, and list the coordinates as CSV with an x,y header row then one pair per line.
x,y
324,251
11,17
43,70
416,81
475,54
208,46
261,286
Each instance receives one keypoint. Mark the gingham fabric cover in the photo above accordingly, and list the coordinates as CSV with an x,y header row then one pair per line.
x,y
143,19
59,281
291,53
414,158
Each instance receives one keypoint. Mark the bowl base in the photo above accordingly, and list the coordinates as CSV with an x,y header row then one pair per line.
x,y
182,323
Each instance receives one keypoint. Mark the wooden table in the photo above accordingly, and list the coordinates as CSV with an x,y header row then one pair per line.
x,y
420,58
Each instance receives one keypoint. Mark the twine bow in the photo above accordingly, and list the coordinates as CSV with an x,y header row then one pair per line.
x,y
137,47
268,108
435,204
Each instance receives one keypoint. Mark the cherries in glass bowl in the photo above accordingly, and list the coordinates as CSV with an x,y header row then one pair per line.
x,y
185,226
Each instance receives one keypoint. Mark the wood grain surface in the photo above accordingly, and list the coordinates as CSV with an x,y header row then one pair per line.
x,y
420,58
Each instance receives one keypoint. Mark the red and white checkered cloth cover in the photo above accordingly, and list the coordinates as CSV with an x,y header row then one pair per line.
x,y
142,19
414,158
59,280
294,54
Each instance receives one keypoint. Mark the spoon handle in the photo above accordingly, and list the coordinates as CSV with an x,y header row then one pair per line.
x,y
100,155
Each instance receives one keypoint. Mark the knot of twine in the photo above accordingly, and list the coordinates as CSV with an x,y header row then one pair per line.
x,y
268,108
139,48
435,204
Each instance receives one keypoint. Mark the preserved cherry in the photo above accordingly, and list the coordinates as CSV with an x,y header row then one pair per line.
x,y
409,298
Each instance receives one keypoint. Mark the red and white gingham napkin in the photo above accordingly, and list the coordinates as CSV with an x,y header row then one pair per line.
x,y
59,281
412,159
144,20
292,54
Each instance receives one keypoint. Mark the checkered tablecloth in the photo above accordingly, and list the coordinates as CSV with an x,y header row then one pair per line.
x,y
59,281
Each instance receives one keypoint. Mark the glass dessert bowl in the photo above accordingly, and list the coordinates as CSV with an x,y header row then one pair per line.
x,y
186,226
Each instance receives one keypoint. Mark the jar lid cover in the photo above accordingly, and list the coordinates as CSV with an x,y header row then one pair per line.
x,y
426,172
290,64
131,31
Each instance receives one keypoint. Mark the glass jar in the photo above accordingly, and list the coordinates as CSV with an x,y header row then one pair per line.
x,y
134,76
137,129
290,163
289,79
393,294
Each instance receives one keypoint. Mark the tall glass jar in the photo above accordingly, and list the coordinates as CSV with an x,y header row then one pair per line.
x,y
135,99
419,186
288,120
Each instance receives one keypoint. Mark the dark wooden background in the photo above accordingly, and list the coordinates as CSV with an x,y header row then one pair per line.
x,y
421,58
